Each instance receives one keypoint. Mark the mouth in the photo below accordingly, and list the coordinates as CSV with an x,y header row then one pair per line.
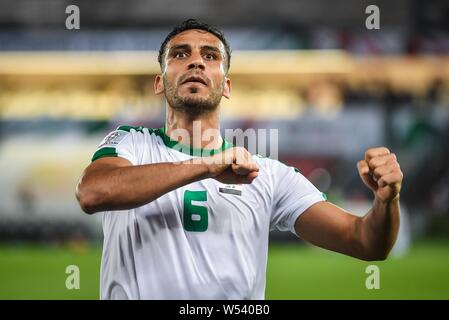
x,y
195,79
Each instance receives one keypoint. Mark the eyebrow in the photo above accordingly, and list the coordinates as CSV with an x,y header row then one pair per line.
x,y
211,48
188,47
179,46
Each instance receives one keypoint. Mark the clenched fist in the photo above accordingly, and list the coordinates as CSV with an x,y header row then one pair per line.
x,y
234,165
380,171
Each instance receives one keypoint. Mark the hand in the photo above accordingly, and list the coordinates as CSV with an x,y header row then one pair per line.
x,y
381,173
233,166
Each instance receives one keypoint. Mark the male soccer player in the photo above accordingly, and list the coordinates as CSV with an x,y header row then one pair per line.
x,y
182,221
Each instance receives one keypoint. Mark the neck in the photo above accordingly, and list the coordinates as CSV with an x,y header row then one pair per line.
x,y
202,131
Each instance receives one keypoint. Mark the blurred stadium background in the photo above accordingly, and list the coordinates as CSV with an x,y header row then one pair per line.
x,y
307,68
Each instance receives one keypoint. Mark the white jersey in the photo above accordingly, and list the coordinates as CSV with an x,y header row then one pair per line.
x,y
205,240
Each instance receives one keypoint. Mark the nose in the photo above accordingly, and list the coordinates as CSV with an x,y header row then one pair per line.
x,y
196,62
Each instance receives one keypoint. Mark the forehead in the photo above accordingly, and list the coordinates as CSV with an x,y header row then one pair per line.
x,y
196,38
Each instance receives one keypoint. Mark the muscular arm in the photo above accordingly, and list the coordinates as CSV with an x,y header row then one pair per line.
x,y
370,237
113,183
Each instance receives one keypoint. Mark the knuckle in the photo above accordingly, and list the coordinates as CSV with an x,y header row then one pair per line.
x,y
378,171
395,167
242,149
367,153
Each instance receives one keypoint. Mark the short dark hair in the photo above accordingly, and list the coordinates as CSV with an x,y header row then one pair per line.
x,y
195,24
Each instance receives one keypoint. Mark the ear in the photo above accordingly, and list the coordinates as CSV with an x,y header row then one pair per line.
x,y
158,84
227,88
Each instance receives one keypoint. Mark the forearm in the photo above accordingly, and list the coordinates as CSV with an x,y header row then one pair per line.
x,y
379,228
121,188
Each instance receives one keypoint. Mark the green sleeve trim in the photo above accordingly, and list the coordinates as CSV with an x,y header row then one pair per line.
x,y
128,128
104,152
324,196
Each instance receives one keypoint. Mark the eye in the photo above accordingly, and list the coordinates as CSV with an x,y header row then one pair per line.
x,y
210,56
180,55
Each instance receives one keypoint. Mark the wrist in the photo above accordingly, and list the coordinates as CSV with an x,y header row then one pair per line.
x,y
202,169
387,201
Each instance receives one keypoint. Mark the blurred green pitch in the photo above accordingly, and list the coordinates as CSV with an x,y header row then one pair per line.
x,y
294,272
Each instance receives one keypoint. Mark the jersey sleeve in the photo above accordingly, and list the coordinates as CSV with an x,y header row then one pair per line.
x,y
293,194
118,143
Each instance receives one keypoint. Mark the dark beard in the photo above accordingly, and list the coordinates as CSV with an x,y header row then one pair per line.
x,y
193,107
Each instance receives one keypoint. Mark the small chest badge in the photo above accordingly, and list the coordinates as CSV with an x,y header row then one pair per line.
x,y
235,189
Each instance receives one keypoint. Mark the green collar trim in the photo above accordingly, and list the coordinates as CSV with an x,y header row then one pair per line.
x,y
188,149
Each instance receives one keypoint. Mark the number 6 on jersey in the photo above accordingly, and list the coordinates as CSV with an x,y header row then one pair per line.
x,y
195,217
